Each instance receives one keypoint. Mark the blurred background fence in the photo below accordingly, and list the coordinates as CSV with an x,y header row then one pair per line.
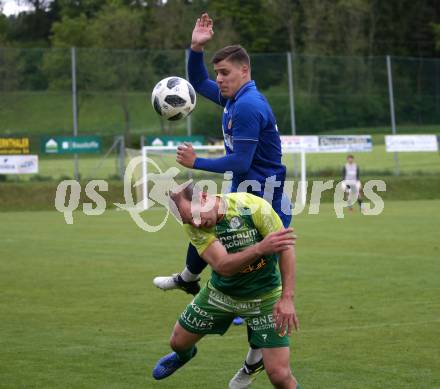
x,y
331,95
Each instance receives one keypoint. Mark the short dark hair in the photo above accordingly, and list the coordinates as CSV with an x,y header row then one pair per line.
x,y
234,53
350,156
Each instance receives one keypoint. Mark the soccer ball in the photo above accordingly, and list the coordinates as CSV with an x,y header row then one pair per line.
x,y
173,98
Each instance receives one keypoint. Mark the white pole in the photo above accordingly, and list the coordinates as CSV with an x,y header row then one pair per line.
x,y
292,108
303,178
291,94
74,108
393,115
144,178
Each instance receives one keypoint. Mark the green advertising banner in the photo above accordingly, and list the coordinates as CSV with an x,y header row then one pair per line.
x,y
70,144
174,140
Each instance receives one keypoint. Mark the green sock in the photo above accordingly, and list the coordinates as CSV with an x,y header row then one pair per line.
x,y
186,355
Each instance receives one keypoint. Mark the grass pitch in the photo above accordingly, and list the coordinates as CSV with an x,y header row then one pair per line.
x,y
78,309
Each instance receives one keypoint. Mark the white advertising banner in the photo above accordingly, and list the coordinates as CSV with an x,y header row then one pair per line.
x,y
327,143
18,164
297,143
409,143
345,143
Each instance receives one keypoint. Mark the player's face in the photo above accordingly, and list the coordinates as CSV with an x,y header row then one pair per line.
x,y
230,77
201,213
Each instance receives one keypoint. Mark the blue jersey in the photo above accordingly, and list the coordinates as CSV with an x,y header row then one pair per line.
x,y
251,138
248,117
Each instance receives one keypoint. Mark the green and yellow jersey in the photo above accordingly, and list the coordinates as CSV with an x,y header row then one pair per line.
x,y
248,220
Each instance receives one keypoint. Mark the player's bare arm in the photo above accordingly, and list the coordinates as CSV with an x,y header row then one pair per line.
x,y
229,264
202,32
284,310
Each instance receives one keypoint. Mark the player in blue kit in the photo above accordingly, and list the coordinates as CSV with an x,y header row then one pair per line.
x,y
252,143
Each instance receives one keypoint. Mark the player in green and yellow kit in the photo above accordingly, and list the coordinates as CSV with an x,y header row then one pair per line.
x,y
253,275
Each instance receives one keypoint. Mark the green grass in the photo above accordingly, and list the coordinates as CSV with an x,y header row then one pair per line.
x,y
78,309
50,113
89,166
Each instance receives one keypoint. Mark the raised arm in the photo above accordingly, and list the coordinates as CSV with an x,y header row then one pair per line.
x,y
197,72
199,79
202,32
227,264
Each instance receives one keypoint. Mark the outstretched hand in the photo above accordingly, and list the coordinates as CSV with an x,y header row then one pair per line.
x,y
202,32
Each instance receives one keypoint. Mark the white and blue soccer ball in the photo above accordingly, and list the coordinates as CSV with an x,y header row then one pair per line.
x,y
173,98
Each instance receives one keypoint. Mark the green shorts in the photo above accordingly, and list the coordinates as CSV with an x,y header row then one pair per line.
x,y
211,312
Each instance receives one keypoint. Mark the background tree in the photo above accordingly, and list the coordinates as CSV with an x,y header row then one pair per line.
x,y
110,70
119,27
125,46
286,17
3,30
